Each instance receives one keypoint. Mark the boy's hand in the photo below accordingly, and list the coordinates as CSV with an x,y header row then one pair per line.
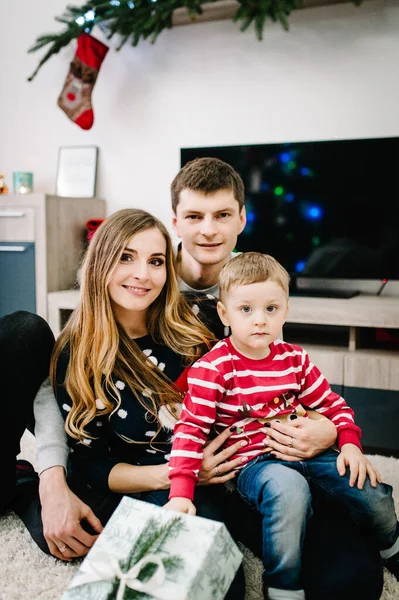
x,y
183,505
359,466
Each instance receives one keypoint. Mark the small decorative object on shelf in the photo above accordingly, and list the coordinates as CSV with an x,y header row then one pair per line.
x,y
3,185
22,182
91,227
164,555
77,171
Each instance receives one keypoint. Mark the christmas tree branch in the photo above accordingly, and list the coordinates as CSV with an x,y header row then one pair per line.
x,y
142,19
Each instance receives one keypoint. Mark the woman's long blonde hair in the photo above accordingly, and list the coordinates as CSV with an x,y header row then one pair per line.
x,y
99,348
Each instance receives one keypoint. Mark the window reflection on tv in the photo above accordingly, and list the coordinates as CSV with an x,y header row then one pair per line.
x,y
324,209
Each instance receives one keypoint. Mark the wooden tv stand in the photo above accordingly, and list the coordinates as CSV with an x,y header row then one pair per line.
x,y
340,336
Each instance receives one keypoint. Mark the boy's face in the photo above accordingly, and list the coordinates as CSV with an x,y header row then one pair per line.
x,y
256,314
208,225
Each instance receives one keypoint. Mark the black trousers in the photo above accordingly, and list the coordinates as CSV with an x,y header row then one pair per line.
x,y
340,560
26,343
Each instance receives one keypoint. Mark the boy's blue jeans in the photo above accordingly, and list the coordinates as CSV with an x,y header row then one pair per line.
x,y
281,492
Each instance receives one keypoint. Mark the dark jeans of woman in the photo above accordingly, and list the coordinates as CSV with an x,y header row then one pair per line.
x,y
26,343
340,560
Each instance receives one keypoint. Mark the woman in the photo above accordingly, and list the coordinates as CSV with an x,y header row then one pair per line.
x,y
118,368
120,409
130,318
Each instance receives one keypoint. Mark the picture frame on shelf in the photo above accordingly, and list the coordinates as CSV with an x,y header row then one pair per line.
x,y
77,171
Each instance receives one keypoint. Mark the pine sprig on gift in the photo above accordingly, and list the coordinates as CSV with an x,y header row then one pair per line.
x,y
152,540
142,19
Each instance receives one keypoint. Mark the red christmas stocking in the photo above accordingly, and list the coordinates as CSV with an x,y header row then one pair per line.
x,y
75,98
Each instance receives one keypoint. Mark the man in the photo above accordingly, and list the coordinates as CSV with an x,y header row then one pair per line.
x,y
208,215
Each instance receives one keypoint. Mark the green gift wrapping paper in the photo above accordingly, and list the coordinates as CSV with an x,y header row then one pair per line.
x,y
146,552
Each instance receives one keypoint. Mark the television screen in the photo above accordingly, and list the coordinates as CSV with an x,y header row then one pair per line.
x,y
325,209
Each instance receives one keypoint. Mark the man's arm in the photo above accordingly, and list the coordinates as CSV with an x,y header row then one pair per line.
x,y
316,394
62,511
51,439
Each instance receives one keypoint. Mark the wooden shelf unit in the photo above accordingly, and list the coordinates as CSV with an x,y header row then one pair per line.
x,y
55,225
60,303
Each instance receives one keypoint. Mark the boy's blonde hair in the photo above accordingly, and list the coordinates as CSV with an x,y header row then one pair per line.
x,y
252,267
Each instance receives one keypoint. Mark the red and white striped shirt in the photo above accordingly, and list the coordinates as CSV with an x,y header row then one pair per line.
x,y
224,383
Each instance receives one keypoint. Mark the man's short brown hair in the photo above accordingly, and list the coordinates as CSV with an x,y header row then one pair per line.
x,y
252,267
207,175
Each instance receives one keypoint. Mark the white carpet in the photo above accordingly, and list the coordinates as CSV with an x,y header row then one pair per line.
x,y
27,574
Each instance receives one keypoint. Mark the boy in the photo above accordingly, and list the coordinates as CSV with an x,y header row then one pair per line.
x,y
252,377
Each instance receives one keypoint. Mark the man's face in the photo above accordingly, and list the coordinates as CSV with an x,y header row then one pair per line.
x,y
208,225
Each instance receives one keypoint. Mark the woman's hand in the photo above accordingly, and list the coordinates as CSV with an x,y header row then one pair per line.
x,y
216,467
300,439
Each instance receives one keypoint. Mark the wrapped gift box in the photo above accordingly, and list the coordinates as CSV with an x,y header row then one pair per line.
x,y
146,552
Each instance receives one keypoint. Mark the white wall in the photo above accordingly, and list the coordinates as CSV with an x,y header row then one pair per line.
x,y
333,75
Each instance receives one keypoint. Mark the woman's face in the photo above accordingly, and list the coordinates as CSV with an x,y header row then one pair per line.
x,y
140,275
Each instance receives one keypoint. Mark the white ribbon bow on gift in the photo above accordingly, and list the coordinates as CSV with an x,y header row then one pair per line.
x,y
107,567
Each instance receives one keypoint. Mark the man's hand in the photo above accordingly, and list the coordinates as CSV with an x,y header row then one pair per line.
x,y
359,466
183,505
62,513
